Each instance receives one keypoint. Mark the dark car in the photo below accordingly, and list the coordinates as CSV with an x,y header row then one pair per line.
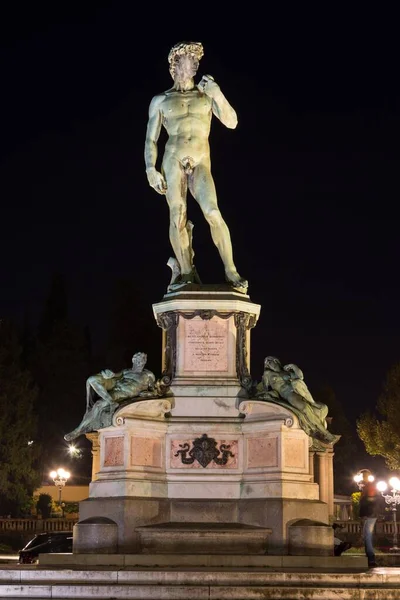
x,y
43,543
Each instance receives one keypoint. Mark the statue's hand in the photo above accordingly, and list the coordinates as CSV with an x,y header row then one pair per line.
x,y
208,86
156,180
107,374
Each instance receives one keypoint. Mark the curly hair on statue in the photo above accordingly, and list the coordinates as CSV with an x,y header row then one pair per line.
x,y
193,48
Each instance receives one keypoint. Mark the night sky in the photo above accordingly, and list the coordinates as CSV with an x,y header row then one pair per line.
x,y
308,182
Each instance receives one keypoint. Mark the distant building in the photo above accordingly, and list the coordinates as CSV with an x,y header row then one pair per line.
x,y
70,493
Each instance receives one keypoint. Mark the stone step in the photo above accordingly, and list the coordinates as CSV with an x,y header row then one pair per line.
x,y
197,584
346,561
116,592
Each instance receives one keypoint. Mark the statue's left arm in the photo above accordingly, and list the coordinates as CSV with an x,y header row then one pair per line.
x,y
220,105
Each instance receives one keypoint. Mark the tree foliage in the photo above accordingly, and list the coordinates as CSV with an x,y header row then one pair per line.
x,y
355,499
19,474
380,432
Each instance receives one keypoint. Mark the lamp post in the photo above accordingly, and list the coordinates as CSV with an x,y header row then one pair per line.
x,y
60,478
392,499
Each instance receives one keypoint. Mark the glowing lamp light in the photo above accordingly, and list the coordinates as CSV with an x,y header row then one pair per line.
x,y
392,498
381,486
74,451
395,483
360,478
60,478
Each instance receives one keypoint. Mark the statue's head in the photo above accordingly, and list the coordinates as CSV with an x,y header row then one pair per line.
x,y
294,371
184,59
138,361
270,362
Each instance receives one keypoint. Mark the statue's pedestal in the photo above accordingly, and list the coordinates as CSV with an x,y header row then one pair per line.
x,y
205,454
206,349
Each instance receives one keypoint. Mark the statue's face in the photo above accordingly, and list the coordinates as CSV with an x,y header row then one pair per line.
x,y
186,67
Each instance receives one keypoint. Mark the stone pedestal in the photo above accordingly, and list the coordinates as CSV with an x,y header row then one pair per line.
x,y
203,538
206,349
206,453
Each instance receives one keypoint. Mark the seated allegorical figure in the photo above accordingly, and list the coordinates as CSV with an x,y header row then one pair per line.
x,y
107,390
286,385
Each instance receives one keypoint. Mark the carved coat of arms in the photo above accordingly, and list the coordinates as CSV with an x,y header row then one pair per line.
x,y
204,450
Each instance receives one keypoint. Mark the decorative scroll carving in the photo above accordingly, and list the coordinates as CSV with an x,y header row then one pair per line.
x,y
243,321
168,321
204,450
205,314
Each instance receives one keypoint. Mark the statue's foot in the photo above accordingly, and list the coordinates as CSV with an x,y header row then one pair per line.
x,y
237,282
186,277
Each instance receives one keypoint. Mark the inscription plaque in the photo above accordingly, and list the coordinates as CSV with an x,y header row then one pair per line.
x,y
206,345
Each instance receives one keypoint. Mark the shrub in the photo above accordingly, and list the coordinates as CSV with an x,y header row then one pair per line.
x,y
43,505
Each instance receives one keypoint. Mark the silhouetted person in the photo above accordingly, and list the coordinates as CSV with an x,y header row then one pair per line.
x,y
369,512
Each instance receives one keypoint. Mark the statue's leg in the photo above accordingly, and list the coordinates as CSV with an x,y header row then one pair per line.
x,y
90,394
202,188
94,383
297,401
91,420
176,197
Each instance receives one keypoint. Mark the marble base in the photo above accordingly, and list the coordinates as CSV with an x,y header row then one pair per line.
x,y
273,514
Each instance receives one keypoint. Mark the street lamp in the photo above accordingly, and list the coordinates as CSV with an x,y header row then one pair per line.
x,y
360,480
60,478
392,499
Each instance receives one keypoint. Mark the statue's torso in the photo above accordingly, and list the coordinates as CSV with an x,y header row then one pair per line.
x,y
276,380
187,118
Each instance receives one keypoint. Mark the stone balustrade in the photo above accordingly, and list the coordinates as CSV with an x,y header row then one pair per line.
x,y
381,527
37,525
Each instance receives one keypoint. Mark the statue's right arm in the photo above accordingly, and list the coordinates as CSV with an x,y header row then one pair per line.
x,y
155,178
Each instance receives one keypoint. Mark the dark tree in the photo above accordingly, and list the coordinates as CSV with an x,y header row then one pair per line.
x,y
60,365
19,473
380,432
